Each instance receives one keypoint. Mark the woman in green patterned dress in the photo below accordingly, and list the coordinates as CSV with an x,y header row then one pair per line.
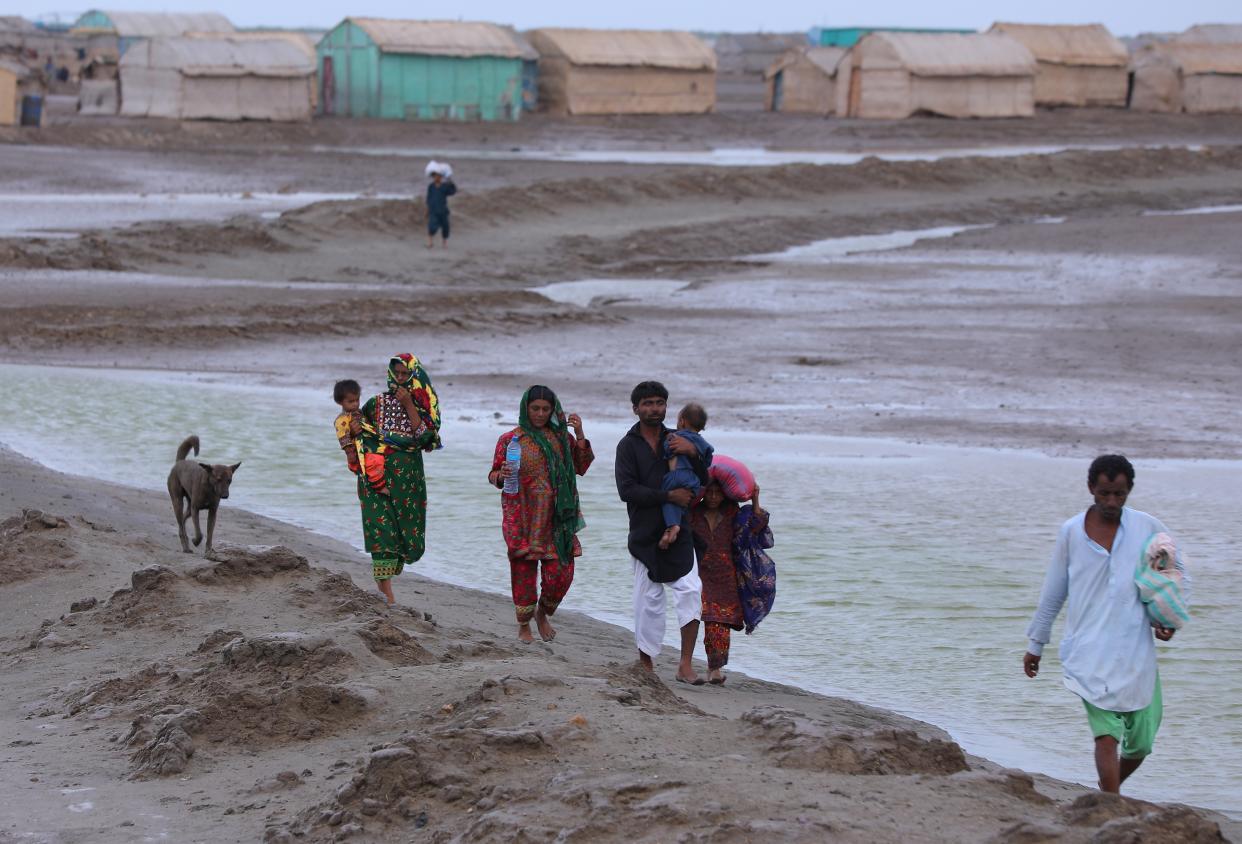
x,y
407,419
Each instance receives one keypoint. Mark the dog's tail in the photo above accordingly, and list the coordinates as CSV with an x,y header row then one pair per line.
x,y
190,442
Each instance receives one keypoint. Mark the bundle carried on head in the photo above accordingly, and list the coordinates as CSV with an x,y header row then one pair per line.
x,y
442,167
734,478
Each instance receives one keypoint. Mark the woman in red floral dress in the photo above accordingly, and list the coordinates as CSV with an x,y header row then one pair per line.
x,y
540,523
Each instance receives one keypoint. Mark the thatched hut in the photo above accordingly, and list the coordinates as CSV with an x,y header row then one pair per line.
x,y
804,81
1074,65
892,75
1188,77
594,71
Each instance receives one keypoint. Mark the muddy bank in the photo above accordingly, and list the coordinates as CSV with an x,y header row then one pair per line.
x,y
776,131
265,695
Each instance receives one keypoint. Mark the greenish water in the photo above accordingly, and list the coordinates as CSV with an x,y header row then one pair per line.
x,y
906,574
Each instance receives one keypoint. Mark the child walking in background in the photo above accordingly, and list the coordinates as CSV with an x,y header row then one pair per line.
x,y
439,190
690,422
364,453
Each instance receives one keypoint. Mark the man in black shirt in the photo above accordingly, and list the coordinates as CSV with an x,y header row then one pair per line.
x,y
640,469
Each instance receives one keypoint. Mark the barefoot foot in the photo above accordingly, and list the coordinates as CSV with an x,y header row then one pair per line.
x,y
669,537
524,634
546,631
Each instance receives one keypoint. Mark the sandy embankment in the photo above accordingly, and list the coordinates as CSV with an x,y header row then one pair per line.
x,y
148,692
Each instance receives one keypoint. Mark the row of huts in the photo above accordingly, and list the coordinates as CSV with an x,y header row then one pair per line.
x,y
185,67
1008,71
199,66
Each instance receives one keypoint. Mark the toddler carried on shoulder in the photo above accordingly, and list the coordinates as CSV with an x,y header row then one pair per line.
x,y
690,422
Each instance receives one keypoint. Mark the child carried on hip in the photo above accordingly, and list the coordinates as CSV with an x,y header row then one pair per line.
x,y
681,475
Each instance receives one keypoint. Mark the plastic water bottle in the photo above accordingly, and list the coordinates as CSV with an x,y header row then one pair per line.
x,y
513,459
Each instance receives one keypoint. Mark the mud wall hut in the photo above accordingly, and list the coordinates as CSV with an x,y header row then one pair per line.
x,y
593,71
425,70
1196,78
1074,65
804,81
216,78
892,75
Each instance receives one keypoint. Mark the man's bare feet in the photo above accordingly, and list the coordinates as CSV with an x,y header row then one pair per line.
x,y
524,634
687,675
546,631
669,537
645,661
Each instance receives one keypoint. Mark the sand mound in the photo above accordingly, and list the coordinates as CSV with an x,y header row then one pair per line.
x,y
1113,819
391,643
292,654
799,742
163,742
1176,823
151,600
33,544
242,562
632,685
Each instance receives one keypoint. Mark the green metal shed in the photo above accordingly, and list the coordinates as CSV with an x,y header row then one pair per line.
x,y
848,36
425,70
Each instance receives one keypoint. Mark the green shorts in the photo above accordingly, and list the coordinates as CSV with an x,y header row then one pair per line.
x,y
1134,731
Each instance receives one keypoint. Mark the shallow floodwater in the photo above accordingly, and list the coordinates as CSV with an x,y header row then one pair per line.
x,y
60,215
907,574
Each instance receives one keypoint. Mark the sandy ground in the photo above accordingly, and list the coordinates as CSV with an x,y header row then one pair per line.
x,y
150,693
266,695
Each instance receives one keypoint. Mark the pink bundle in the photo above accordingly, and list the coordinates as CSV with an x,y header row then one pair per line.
x,y
733,476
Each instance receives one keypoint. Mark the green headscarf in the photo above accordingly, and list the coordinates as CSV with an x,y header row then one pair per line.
x,y
424,395
566,517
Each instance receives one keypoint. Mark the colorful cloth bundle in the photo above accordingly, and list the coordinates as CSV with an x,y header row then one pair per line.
x,y
1160,583
756,573
733,476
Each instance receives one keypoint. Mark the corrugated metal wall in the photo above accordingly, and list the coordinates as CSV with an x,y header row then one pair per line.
x,y
355,72
371,83
449,88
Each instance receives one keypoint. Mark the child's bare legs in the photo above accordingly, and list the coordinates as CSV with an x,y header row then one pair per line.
x,y
669,537
385,587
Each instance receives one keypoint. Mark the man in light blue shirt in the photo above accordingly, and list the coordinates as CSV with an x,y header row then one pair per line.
x,y
1107,650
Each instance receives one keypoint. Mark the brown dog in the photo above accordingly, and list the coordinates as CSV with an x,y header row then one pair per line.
x,y
201,486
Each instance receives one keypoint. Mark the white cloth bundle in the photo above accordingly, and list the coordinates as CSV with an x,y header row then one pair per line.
x,y
442,167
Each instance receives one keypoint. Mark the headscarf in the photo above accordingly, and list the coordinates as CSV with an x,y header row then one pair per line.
x,y
419,385
566,517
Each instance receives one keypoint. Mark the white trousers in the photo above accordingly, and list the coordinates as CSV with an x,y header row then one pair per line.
x,y
649,606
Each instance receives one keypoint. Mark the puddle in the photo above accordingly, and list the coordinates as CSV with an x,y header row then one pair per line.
x,y
981,522
61,215
728,156
609,290
824,251
1190,212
